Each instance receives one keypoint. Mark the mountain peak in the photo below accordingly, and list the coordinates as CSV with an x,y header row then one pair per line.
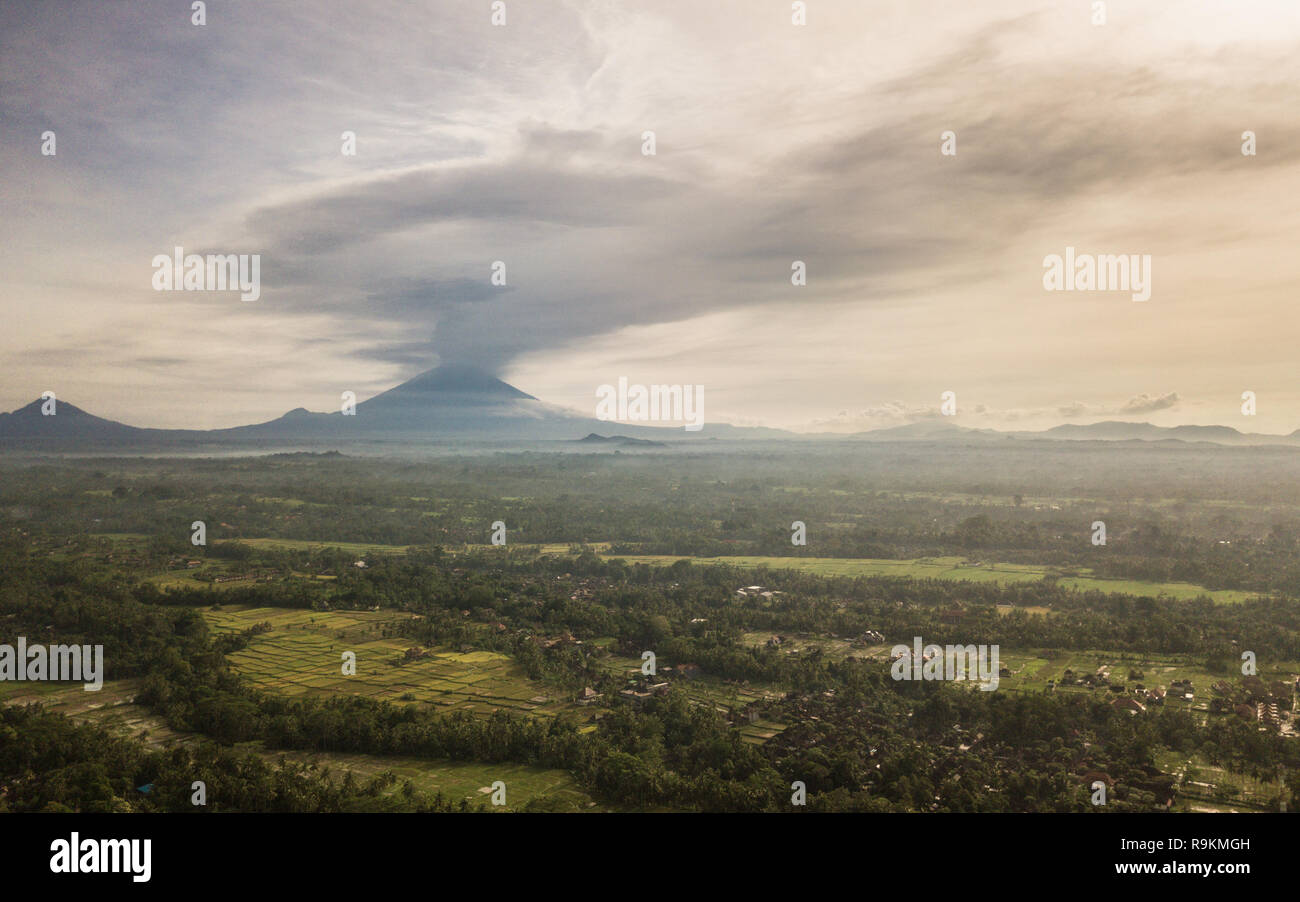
x,y
67,420
459,379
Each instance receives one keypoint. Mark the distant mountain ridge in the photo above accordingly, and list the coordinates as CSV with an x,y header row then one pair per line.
x,y
464,402
447,402
1120,430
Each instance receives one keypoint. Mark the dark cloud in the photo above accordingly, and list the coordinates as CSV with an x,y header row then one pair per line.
x,y
610,240
519,191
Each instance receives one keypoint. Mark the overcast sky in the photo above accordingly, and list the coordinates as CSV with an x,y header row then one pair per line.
x,y
774,143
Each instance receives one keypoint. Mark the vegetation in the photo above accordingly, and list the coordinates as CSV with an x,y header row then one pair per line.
x,y
524,663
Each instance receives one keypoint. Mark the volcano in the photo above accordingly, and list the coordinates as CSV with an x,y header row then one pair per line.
x,y
448,402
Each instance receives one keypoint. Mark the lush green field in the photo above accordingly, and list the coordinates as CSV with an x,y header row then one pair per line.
x,y
1206,787
1031,671
946,568
303,654
949,568
357,548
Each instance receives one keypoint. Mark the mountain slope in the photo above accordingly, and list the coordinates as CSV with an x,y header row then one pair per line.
x,y
445,403
66,422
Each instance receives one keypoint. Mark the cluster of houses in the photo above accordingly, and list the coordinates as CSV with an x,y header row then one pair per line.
x,y
1133,700
1159,784
585,589
1098,680
563,640
641,687
757,592
1254,699
642,691
1268,703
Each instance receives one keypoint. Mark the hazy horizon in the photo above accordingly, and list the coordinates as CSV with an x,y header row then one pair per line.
x,y
674,430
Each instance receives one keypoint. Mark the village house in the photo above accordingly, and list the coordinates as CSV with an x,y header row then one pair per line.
x,y
636,696
1131,705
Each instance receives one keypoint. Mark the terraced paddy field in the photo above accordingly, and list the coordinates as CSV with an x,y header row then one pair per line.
x,y
303,654
112,707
